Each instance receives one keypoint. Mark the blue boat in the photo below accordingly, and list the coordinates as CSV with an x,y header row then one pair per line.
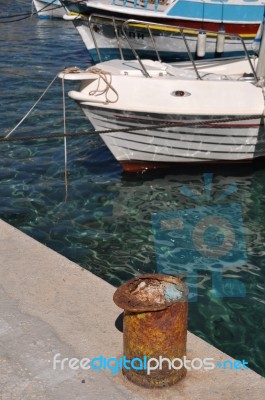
x,y
239,17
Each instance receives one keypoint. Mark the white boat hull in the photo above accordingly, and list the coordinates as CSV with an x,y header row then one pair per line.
x,y
46,10
177,143
168,45
172,116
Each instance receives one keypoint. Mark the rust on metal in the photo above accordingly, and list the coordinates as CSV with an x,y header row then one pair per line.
x,y
155,325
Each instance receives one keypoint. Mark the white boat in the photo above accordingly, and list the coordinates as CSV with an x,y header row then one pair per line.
x,y
106,38
49,8
151,114
234,16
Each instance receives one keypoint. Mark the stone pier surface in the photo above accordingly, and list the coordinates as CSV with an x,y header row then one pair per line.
x,y
50,305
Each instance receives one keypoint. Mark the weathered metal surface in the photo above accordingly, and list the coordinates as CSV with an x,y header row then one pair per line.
x,y
155,325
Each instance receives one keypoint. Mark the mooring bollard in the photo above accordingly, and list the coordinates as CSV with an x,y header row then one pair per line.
x,y
154,329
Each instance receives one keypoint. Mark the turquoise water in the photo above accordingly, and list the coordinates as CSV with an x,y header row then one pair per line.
x,y
119,225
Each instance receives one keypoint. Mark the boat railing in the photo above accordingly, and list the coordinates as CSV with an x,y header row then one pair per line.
x,y
184,32
121,28
94,19
149,26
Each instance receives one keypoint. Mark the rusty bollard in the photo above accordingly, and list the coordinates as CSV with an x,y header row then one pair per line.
x,y
154,328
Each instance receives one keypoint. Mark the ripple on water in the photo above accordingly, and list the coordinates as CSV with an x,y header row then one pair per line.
x,y
106,222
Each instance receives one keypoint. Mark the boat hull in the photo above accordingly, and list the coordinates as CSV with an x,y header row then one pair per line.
x,y
46,10
243,21
140,141
242,18
160,113
103,44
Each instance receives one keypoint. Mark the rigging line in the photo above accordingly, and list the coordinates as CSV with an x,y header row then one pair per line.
x,y
29,15
65,144
34,105
19,19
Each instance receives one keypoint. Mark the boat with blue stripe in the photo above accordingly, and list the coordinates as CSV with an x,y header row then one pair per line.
x,y
239,17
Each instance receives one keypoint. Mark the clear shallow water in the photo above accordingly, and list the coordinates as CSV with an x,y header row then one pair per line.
x,y
118,225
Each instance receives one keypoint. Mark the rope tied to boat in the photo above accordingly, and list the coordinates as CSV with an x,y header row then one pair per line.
x,y
104,76
217,123
72,70
107,78
32,108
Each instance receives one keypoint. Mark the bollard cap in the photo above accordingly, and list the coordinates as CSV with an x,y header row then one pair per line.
x,y
150,292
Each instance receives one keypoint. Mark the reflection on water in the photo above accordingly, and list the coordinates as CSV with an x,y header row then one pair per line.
x,y
206,225
209,236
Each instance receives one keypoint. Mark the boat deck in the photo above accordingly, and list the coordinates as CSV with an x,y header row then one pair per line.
x,y
227,70
151,5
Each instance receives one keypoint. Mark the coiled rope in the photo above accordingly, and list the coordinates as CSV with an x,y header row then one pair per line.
x,y
107,78
104,76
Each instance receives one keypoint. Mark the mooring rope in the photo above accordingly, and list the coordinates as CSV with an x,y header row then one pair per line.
x,y
97,92
23,16
134,129
32,108
65,143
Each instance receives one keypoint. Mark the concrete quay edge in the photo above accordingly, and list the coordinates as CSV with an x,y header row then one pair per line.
x,y
50,305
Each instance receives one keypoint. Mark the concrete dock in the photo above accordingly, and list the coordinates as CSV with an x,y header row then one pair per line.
x,y
50,305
